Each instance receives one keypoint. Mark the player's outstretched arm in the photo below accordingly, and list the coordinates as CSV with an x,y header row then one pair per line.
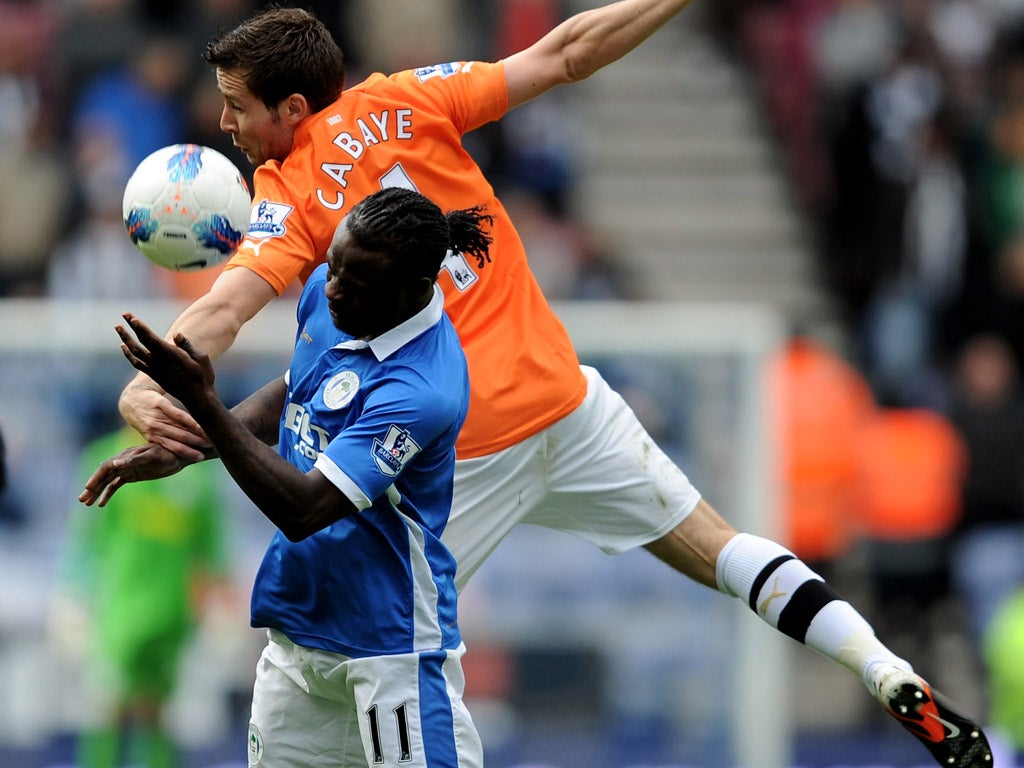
x,y
583,44
212,323
298,503
258,413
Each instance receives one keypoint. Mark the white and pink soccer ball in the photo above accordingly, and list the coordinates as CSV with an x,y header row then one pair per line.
x,y
186,207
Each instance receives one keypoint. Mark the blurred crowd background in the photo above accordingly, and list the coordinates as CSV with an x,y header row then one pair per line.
x,y
90,87
898,128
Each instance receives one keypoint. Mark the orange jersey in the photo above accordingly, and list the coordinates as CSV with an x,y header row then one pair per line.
x,y
406,130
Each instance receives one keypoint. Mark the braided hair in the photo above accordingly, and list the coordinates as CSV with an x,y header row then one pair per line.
x,y
414,232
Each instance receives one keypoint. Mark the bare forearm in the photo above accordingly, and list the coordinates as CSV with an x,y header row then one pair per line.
x,y
212,327
260,413
298,503
278,489
583,44
212,322
596,38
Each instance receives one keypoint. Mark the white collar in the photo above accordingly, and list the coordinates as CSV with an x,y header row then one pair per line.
x,y
389,342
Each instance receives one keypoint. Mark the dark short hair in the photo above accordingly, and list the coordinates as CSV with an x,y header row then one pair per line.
x,y
414,232
282,51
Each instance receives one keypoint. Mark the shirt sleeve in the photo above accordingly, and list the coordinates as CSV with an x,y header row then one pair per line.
x,y
470,93
278,245
400,419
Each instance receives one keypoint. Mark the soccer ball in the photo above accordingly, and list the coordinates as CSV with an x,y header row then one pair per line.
x,y
186,207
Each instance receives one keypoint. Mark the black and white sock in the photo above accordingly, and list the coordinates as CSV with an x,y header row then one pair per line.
x,y
784,592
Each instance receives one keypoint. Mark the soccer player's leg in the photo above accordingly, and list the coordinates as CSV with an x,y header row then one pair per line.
x,y
788,595
297,717
492,495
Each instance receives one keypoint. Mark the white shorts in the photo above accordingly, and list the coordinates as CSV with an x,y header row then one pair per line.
x,y
323,710
595,473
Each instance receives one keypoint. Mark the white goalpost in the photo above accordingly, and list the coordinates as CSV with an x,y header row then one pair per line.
x,y
744,335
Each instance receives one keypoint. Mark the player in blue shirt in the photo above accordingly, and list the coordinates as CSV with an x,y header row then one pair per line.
x,y
362,664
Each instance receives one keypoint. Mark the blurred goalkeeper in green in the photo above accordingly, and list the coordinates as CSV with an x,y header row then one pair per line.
x,y
136,572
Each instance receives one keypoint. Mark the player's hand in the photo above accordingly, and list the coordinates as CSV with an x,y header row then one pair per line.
x,y
182,370
160,421
140,462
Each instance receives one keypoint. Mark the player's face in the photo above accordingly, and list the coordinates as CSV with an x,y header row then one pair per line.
x,y
364,295
259,132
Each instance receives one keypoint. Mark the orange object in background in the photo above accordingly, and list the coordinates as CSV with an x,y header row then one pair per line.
x,y
912,464
189,286
820,405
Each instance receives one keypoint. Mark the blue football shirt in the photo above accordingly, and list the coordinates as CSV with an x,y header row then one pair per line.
x,y
379,419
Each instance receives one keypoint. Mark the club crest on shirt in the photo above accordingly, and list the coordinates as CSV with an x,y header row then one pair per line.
x,y
255,746
394,451
340,389
267,219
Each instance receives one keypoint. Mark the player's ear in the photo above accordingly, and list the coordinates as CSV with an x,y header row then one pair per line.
x,y
295,108
424,286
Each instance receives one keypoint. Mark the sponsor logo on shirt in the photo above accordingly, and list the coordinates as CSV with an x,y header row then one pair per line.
x,y
312,438
267,219
395,451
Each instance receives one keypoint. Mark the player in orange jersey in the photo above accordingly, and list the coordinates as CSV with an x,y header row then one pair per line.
x,y
546,441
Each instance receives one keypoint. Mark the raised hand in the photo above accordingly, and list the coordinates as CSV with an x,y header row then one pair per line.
x,y
182,370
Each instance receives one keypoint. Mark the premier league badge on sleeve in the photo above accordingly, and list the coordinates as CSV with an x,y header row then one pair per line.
x,y
394,451
267,219
438,70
